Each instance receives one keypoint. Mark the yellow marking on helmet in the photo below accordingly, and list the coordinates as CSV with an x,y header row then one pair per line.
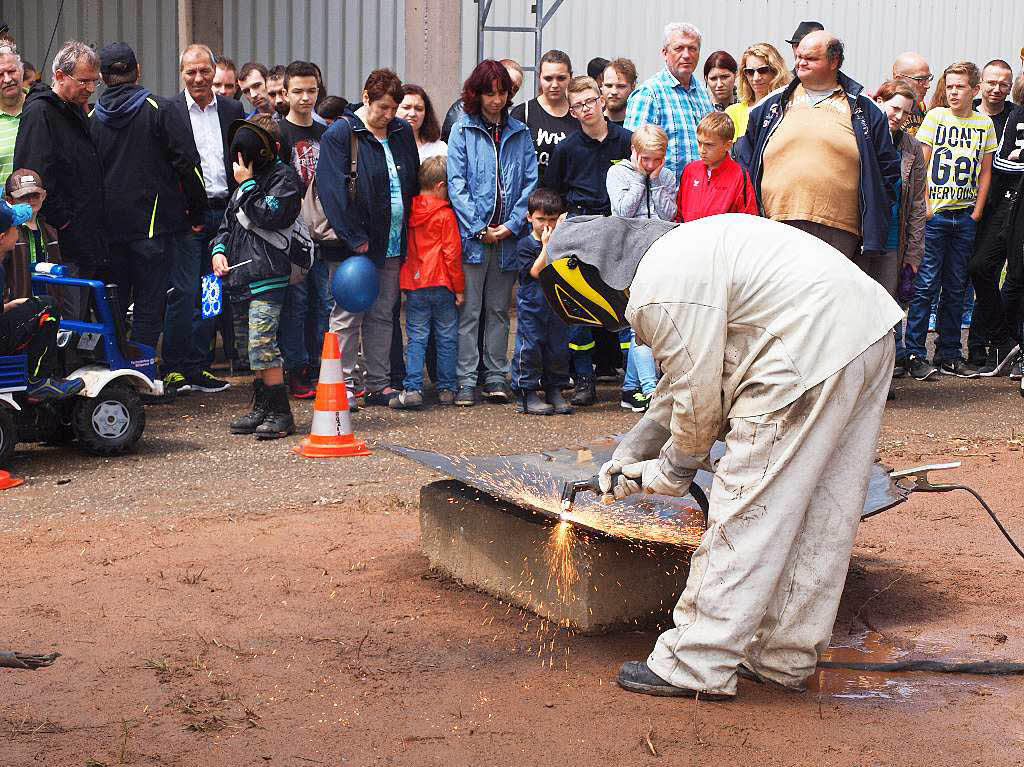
x,y
575,279
570,306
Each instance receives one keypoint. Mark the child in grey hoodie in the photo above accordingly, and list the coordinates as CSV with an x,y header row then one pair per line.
x,y
642,187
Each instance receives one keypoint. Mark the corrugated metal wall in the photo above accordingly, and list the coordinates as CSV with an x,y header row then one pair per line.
x,y
149,26
874,31
346,38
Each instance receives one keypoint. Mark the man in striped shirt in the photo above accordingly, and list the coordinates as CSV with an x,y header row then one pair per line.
x,y
12,99
674,99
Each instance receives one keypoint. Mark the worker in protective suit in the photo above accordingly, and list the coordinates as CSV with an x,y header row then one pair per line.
x,y
773,341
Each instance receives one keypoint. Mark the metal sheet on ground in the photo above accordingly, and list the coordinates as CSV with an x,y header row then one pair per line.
x,y
534,481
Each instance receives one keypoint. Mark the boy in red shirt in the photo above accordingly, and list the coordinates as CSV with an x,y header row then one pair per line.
x,y
433,283
716,183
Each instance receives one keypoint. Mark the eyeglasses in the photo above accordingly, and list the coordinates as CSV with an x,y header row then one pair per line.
x,y
86,83
919,79
580,106
751,71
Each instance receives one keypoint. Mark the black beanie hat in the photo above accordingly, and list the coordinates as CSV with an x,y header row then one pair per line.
x,y
255,144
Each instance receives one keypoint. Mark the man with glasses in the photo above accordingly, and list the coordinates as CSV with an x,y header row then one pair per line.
x,y
54,141
12,101
578,171
913,69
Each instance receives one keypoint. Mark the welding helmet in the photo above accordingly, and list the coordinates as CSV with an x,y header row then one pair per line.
x,y
577,294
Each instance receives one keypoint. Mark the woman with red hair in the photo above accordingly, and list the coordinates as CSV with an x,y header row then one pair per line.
x,y
492,168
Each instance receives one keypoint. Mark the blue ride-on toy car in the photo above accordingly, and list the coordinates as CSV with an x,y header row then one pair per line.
x,y
108,416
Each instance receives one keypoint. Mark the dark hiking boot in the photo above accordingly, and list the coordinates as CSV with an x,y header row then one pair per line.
x,y
585,393
635,676
558,402
247,423
530,402
279,421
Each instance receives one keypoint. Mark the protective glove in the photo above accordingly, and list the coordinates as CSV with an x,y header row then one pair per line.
x,y
622,486
657,477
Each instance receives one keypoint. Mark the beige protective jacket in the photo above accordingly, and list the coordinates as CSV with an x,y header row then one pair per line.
x,y
744,315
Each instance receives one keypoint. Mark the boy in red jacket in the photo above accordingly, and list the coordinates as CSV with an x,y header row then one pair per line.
x,y
716,183
432,281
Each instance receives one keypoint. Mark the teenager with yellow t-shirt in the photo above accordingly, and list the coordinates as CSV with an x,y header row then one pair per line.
x,y
958,147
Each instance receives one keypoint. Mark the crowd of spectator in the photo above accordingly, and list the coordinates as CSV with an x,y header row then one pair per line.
x,y
151,193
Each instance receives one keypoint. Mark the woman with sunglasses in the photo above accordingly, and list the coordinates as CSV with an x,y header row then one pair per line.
x,y
762,71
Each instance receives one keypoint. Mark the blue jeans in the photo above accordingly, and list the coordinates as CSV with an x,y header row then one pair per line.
x,y
321,304
641,370
291,334
426,309
948,244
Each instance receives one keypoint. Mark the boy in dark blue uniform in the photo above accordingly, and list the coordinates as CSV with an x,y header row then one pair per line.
x,y
541,357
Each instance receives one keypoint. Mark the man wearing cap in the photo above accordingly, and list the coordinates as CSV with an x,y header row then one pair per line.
x,y
208,115
12,101
750,321
54,140
803,29
821,155
152,187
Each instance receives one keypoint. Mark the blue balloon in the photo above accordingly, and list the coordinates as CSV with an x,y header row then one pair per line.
x,y
355,284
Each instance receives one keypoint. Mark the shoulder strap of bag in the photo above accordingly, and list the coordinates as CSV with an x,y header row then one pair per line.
x,y
353,167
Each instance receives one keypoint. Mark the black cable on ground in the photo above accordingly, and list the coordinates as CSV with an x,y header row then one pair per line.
x,y
991,667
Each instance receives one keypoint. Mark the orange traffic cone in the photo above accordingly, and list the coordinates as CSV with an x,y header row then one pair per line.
x,y
7,481
331,435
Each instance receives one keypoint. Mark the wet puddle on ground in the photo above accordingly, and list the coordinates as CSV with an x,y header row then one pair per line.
x,y
872,647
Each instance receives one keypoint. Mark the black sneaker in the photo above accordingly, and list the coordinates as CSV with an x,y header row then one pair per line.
x,y
380,398
957,367
1000,359
205,381
920,370
899,368
636,401
1016,372
466,397
497,392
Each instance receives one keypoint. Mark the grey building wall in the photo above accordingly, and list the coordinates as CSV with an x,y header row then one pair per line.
x,y
347,38
149,26
875,31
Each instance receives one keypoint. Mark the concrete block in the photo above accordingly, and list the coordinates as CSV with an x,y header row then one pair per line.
x,y
509,552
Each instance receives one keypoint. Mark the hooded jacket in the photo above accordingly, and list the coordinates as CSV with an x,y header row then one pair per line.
x,y
473,161
435,248
367,219
153,181
879,160
54,141
272,200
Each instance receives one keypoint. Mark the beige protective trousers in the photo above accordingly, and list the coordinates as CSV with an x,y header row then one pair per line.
x,y
765,582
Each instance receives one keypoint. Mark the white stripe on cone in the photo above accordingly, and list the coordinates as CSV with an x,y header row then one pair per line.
x,y
331,424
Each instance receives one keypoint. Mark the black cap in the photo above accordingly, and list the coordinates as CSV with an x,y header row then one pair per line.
x,y
117,59
803,29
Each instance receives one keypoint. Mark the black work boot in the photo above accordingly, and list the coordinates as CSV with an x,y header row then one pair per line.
x,y
530,402
585,392
279,421
247,423
557,401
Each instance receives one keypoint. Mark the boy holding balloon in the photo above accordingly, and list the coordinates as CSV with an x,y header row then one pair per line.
x,y
250,251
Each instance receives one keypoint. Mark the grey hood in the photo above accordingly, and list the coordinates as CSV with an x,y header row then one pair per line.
x,y
612,245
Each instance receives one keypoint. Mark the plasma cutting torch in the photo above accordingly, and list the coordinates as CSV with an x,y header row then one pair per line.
x,y
572,487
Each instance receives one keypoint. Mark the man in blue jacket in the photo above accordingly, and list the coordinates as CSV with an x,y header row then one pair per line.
x,y
821,155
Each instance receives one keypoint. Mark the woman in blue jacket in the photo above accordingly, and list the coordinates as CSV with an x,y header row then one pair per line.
x,y
492,168
373,223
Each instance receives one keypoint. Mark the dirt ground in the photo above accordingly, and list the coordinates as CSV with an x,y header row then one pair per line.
x,y
224,602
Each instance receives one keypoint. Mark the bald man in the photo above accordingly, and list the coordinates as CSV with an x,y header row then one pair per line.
x,y
913,68
821,155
